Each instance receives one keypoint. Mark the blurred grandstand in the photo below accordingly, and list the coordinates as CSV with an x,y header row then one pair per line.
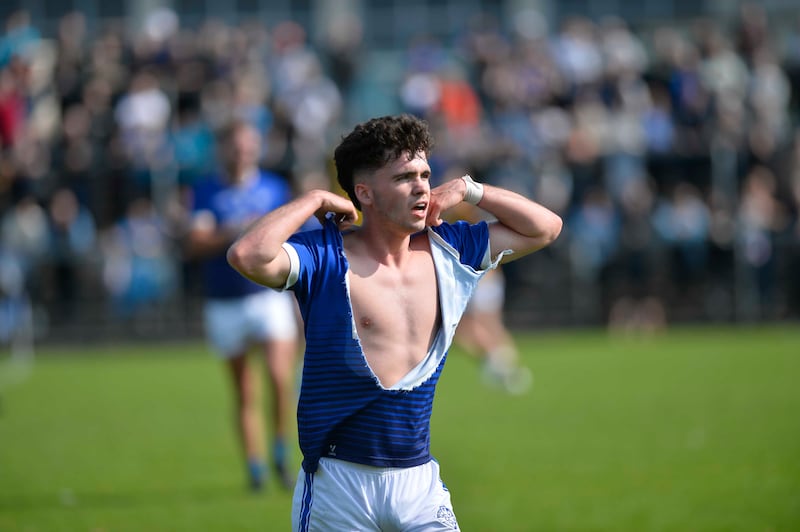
x,y
664,132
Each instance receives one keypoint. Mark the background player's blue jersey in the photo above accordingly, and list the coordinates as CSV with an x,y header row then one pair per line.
x,y
236,206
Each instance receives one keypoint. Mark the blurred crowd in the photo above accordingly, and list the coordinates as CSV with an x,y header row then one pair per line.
x,y
673,155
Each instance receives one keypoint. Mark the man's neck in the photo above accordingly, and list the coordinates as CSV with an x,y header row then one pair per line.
x,y
383,245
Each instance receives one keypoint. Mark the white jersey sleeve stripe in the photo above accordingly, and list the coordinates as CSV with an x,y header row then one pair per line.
x,y
294,265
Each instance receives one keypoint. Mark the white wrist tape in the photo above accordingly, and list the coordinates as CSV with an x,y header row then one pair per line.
x,y
474,192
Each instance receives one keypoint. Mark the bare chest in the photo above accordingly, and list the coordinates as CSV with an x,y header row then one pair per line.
x,y
396,314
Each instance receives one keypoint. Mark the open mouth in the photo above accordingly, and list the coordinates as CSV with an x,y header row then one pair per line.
x,y
420,206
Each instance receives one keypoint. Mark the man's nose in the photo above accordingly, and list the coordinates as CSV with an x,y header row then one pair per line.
x,y
421,185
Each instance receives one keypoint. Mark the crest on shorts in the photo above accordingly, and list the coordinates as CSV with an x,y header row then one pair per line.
x,y
446,516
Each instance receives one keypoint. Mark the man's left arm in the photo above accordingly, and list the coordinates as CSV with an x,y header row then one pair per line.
x,y
522,225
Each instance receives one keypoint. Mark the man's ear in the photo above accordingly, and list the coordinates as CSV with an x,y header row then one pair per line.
x,y
363,193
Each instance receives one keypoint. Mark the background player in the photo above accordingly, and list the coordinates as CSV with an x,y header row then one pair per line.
x,y
240,314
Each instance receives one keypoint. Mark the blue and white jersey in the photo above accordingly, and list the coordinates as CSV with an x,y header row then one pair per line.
x,y
235,205
344,412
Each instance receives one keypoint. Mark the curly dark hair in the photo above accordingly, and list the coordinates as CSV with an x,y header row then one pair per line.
x,y
374,143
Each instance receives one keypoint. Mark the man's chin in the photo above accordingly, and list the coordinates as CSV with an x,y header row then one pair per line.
x,y
420,225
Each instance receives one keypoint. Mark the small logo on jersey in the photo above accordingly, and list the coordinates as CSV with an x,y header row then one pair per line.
x,y
331,450
445,516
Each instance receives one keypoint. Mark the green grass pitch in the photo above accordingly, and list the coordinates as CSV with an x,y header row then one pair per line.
x,y
694,430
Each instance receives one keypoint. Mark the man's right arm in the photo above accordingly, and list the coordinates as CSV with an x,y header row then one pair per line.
x,y
258,254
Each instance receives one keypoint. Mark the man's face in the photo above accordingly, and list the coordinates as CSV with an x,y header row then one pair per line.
x,y
401,192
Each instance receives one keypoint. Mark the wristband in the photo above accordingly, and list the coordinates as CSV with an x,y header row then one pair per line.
x,y
474,192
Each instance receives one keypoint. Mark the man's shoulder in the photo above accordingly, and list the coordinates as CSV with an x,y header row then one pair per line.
x,y
455,230
320,236
318,254
468,242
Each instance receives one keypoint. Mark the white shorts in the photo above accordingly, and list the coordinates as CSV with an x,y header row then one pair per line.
x,y
343,496
233,324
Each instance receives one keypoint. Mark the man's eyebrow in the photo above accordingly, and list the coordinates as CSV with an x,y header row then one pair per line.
x,y
411,173
401,175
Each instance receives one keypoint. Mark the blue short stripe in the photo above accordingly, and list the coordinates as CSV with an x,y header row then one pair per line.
x,y
305,505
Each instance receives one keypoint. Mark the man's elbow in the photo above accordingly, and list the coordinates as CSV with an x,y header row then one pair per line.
x,y
554,228
237,258
547,231
255,266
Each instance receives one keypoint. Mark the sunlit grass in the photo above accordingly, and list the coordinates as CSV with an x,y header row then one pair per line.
x,y
694,430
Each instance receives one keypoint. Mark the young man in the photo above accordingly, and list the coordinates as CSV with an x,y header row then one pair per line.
x,y
241,315
381,303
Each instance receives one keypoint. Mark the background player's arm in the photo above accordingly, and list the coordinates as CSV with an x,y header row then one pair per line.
x,y
257,253
206,237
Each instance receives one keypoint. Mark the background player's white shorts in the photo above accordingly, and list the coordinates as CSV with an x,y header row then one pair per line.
x,y
489,295
232,324
343,496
